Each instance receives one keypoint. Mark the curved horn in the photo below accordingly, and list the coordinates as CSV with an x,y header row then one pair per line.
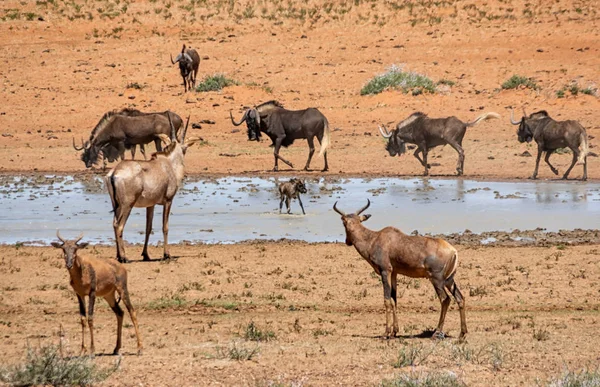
x,y
338,211
87,144
257,116
364,208
524,112
242,120
78,238
185,130
59,237
173,132
386,134
75,147
512,117
164,138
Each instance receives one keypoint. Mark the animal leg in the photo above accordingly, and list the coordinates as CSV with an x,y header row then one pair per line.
x,y
124,293
537,163
166,213
394,284
575,157
439,284
83,317
301,206
143,150
112,302
427,166
157,144
278,142
91,303
326,166
461,157
416,154
584,178
133,152
389,308
311,151
460,300
149,218
287,204
547,160
281,202
120,218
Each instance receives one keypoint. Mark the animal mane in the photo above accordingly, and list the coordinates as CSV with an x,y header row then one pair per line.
x,y
412,118
539,114
269,105
131,112
104,121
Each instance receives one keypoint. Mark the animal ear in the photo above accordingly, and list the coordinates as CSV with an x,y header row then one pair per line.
x,y
365,217
257,117
57,245
191,141
83,245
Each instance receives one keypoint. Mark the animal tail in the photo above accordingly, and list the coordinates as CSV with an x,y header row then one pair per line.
x,y
325,141
584,147
112,191
483,117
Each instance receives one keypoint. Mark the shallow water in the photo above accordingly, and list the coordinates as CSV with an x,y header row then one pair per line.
x,y
234,209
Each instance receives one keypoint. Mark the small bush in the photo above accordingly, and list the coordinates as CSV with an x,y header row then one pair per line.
x,y
254,333
541,334
240,353
584,378
516,80
46,366
171,301
135,85
395,78
412,356
438,379
215,83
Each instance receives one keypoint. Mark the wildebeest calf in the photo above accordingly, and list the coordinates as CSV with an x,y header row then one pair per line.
x,y
291,190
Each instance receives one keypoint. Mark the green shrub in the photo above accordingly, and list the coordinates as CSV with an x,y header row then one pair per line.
x,y
46,366
254,333
517,80
395,78
215,83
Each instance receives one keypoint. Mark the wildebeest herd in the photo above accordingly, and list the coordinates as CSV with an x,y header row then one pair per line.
x,y
389,251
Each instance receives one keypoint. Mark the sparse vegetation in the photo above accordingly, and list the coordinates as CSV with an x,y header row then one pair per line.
x,y
437,379
397,79
46,366
412,355
215,83
584,378
254,333
517,81
238,352
168,301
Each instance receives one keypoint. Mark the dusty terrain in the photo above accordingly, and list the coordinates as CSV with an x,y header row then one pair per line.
x,y
532,311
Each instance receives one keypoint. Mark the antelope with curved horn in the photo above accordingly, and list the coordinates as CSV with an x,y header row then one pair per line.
x,y
551,135
427,133
391,252
189,62
96,277
285,126
147,184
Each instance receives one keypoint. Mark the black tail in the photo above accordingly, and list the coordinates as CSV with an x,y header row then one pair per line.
x,y
115,201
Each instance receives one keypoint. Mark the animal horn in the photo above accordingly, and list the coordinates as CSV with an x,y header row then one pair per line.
x,y
386,134
364,208
257,116
524,113
75,147
59,237
185,130
164,138
337,210
512,117
172,61
241,121
173,133
78,238
87,144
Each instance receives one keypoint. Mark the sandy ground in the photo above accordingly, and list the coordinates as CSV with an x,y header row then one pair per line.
x,y
532,313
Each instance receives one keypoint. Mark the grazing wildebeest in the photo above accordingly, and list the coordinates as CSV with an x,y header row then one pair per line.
x,y
291,190
189,61
285,126
146,184
96,277
551,135
427,133
120,130
391,252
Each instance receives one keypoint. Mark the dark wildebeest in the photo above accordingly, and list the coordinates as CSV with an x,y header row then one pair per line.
x,y
189,61
551,135
291,190
427,133
124,129
285,126
391,252
146,184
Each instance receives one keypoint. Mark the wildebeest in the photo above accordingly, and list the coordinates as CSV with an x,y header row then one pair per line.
x,y
146,184
291,190
124,129
551,135
427,133
96,277
189,61
285,126
391,252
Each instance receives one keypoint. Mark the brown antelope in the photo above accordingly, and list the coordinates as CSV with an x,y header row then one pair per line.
x,y
391,252
95,277
146,184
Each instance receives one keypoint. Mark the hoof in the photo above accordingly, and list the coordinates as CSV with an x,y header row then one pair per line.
x,y
438,335
140,352
123,260
555,171
532,177
116,351
146,257
324,169
166,257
